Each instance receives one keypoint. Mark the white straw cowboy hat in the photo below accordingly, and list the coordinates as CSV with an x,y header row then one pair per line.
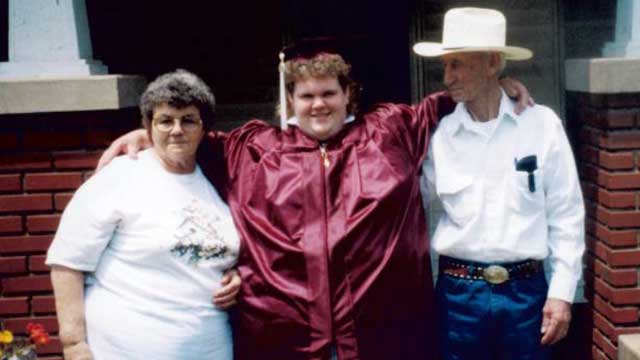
x,y
473,29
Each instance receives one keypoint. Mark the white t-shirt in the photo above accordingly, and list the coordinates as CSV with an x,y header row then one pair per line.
x,y
154,245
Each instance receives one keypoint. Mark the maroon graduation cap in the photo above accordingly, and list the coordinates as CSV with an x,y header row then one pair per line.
x,y
310,47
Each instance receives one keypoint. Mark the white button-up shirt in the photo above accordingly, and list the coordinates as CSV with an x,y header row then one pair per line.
x,y
490,214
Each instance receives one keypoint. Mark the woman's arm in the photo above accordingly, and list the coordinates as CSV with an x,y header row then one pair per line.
x,y
68,287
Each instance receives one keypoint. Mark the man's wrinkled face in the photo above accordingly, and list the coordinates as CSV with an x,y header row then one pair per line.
x,y
320,104
466,74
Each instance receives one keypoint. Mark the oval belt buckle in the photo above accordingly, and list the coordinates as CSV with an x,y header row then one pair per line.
x,y
495,274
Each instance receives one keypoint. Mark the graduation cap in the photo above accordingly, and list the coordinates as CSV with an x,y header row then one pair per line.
x,y
310,47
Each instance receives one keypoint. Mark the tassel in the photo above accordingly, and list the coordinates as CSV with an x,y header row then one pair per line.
x,y
283,95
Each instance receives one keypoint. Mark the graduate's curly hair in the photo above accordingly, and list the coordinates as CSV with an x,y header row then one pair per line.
x,y
320,66
179,89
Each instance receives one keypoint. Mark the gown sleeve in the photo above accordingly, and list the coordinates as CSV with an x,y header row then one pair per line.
x,y
412,126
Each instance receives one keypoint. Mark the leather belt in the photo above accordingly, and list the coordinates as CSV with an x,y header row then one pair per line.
x,y
491,273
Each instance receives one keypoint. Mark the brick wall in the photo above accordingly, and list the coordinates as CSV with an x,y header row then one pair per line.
x,y
43,159
609,159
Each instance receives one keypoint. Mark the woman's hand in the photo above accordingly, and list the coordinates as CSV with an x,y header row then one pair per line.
x,y
130,143
77,351
225,297
516,89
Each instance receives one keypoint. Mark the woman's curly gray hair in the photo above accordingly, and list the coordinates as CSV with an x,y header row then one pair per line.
x,y
179,89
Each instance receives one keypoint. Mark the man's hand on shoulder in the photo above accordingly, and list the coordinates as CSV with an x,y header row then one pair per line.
x,y
556,316
130,143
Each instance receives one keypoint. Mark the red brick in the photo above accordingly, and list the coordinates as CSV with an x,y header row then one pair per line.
x,y
19,325
608,160
25,161
10,183
597,354
626,330
618,180
102,138
613,257
620,140
616,161
53,140
617,199
42,223
602,289
10,224
604,325
14,306
618,296
32,202
52,181
616,237
616,277
43,304
8,141
53,347
26,284
609,118
616,314
619,100
76,160
24,244
36,263
624,257
618,219
13,265
61,200
605,344
619,118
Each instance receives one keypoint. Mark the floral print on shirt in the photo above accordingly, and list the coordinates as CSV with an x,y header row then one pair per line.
x,y
197,235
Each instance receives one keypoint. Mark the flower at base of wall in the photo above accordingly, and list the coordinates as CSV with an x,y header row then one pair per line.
x,y
21,348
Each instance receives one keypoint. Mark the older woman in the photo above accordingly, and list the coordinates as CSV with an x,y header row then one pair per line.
x,y
144,244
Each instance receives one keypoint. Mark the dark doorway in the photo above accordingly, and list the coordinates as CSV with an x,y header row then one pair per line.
x,y
234,45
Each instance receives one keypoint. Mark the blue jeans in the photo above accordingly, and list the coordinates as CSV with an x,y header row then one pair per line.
x,y
481,321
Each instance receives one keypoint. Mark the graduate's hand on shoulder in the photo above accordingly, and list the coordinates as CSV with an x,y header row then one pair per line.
x,y
515,89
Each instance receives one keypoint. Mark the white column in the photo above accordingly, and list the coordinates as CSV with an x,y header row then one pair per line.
x,y
49,38
627,40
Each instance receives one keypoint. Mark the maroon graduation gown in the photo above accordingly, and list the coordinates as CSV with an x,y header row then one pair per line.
x,y
334,251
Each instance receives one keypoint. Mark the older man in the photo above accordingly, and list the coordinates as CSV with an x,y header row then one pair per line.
x,y
511,198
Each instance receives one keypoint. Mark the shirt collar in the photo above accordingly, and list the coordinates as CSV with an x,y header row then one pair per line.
x,y
461,116
294,120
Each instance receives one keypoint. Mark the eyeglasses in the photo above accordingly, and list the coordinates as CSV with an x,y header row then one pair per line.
x,y
188,123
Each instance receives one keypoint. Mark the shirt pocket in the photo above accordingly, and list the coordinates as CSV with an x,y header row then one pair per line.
x,y
458,199
523,200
